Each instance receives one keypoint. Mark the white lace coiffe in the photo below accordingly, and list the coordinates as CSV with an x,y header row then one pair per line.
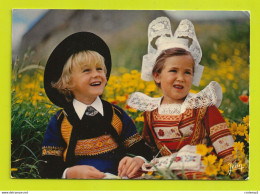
x,y
210,95
184,37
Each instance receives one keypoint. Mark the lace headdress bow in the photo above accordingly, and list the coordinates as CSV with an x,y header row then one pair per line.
x,y
184,37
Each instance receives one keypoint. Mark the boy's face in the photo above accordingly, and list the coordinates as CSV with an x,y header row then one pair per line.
x,y
176,78
87,83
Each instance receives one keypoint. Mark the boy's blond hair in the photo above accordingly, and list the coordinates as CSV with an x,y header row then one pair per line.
x,y
82,59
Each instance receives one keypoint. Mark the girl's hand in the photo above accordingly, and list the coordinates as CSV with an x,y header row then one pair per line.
x,y
129,166
84,172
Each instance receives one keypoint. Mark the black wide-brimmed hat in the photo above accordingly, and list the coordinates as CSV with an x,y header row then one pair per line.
x,y
73,44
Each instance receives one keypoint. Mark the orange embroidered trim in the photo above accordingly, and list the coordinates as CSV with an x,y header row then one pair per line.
x,y
66,129
95,146
157,116
132,140
198,128
51,150
188,114
117,123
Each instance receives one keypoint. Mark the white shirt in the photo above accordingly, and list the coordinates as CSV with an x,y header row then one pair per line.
x,y
80,107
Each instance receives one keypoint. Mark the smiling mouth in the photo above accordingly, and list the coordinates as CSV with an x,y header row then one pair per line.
x,y
95,84
178,86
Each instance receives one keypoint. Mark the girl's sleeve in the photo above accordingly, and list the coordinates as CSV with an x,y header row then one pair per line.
x,y
52,165
219,134
132,140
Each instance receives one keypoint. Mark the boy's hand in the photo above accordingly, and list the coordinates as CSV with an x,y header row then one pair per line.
x,y
84,172
129,166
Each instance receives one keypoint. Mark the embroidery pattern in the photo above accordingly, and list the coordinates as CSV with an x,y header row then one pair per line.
x,y
157,116
187,131
132,140
95,146
66,129
223,143
52,151
218,127
198,128
117,123
188,114
167,132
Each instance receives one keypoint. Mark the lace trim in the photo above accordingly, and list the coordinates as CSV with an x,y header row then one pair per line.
x,y
210,95
160,28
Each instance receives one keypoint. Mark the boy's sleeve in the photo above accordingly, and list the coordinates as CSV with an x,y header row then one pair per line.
x,y
52,165
132,140
219,134
147,135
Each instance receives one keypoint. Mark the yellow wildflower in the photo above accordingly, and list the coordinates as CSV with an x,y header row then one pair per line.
x,y
132,110
150,88
238,152
233,128
139,119
150,173
134,72
141,86
210,149
230,76
193,91
247,137
214,56
239,146
241,129
224,169
202,149
209,160
14,169
237,52
126,76
246,120
221,111
235,86
121,98
211,170
227,121
220,162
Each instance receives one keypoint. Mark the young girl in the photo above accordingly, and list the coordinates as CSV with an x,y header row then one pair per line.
x,y
180,120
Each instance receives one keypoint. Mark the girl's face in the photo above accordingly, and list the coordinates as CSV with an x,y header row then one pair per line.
x,y
175,78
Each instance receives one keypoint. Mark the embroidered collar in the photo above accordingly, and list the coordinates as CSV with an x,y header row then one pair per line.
x,y
209,96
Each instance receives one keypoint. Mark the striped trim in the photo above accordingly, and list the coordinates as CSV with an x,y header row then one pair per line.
x,y
220,134
218,127
226,152
132,140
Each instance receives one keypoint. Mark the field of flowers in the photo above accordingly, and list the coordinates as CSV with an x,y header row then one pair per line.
x,y
226,61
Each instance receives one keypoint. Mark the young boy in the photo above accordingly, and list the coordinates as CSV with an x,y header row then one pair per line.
x,y
88,137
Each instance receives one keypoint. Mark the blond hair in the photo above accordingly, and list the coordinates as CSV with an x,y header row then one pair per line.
x,y
82,59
